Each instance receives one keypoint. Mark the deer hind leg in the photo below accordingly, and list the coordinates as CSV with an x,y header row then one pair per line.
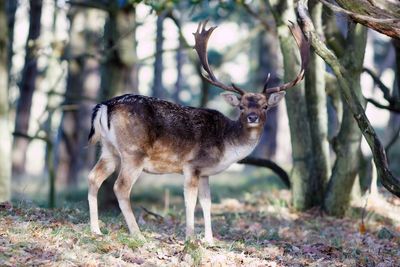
x,y
101,171
190,191
131,168
205,202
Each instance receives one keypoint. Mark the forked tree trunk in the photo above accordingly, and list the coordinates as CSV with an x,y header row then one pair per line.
x,y
301,174
347,145
5,137
27,88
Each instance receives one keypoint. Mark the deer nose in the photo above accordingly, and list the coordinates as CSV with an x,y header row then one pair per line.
x,y
252,118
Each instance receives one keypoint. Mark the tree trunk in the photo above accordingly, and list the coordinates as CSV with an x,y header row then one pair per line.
x,y
317,114
301,174
5,137
11,10
27,88
120,71
347,144
158,86
179,64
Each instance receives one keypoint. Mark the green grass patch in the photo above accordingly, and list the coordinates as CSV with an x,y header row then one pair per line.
x,y
194,249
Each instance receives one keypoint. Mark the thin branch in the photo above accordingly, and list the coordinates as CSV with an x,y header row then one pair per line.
x,y
381,85
31,137
263,21
382,106
157,216
89,4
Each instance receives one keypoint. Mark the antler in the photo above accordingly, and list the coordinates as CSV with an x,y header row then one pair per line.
x,y
201,37
304,46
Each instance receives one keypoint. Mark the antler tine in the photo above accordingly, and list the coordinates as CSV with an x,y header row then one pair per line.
x,y
267,81
304,47
201,37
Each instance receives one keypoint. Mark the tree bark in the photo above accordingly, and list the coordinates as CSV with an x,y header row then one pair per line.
x,y
5,137
27,88
301,174
317,114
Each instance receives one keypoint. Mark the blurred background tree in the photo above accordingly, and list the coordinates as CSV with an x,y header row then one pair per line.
x,y
63,57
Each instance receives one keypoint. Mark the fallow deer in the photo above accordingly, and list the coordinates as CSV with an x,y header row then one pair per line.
x,y
140,133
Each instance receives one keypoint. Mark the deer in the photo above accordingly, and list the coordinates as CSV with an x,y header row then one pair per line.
x,y
146,134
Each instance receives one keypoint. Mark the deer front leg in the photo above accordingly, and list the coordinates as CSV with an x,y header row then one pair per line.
x,y
190,190
205,202
127,177
104,168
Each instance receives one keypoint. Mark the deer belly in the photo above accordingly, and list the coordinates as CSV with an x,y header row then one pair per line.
x,y
162,165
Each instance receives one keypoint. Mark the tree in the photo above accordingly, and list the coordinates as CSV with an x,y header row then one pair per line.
x,y
301,174
348,142
5,137
27,88
307,113
316,103
344,78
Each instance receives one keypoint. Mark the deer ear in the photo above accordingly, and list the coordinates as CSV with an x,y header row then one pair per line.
x,y
274,98
232,99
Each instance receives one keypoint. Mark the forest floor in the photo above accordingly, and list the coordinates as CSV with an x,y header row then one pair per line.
x,y
257,229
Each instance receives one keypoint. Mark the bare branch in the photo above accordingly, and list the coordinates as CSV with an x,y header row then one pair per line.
x,y
379,105
259,162
369,15
263,21
381,85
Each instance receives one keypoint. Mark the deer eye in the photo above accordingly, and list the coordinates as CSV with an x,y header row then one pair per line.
x,y
265,107
241,107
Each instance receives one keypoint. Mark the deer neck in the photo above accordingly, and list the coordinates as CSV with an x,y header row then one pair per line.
x,y
238,133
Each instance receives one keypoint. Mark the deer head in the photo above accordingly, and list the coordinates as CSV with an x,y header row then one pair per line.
x,y
252,105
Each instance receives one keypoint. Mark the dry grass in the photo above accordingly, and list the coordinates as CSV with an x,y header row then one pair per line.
x,y
256,228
